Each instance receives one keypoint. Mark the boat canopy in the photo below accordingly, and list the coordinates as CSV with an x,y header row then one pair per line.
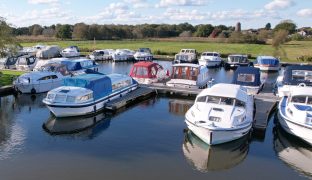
x,y
75,65
145,70
101,85
247,76
296,74
267,60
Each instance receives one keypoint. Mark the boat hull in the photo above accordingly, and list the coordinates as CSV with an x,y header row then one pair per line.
x,y
86,109
267,68
291,127
213,137
209,63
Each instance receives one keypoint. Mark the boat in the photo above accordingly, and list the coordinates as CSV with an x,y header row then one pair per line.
x,y
205,158
50,77
221,114
49,52
295,75
187,75
8,62
71,51
186,56
293,153
267,63
123,55
146,72
42,62
236,60
100,55
210,59
249,77
143,54
87,94
295,112
26,63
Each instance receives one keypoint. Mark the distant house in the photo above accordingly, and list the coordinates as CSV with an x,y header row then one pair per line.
x,y
302,33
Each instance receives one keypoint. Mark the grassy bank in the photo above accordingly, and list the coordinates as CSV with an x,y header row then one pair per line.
x,y
292,49
7,76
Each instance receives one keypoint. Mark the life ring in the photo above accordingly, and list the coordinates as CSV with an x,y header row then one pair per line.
x,y
302,84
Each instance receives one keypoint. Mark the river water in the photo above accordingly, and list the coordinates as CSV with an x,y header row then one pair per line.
x,y
144,141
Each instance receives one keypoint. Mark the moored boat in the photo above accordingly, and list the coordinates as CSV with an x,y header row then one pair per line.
x,y
249,77
236,60
187,75
210,59
186,56
221,114
71,51
143,54
295,112
87,94
267,63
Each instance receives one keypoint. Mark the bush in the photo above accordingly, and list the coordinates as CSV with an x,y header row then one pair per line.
x,y
159,52
297,37
305,58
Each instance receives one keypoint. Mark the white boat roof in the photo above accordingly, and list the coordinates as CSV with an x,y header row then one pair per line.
x,y
211,52
226,90
243,55
186,65
266,57
304,91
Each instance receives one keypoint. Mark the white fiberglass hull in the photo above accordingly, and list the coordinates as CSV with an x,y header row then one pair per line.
x,y
63,110
267,68
209,63
37,88
212,137
143,58
146,80
291,126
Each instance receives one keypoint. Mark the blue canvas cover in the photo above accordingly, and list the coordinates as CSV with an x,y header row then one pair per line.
x,y
268,61
247,70
101,85
72,65
288,75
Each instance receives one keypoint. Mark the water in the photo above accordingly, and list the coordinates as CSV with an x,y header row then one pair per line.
x,y
145,141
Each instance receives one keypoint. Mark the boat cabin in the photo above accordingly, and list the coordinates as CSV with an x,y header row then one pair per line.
x,y
267,61
145,70
183,71
298,75
8,62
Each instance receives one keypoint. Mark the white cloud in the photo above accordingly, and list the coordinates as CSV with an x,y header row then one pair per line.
x,y
305,13
279,4
168,3
42,1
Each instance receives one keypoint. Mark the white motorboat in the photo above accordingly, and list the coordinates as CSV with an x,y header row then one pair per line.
x,y
8,62
87,94
210,59
206,158
42,62
123,55
187,75
249,77
100,55
186,56
71,51
236,60
147,72
267,63
295,75
50,77
295,112
143,54
221,114
26,63
49,52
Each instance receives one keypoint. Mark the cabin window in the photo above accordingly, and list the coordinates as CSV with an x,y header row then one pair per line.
x,y
85,97
302,75
22,61
54,77
153,71
141,71
239,103
201,99
298,99
121,84
309,100
226,101
246,77
44,78
213,99
31,60
189,73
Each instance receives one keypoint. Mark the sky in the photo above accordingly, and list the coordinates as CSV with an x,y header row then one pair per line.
x,y
251,13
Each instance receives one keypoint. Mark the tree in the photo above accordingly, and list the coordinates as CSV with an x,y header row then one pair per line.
x,y
287,25
35,30
63,31
279,38
80,31
268,26
204,30
7,40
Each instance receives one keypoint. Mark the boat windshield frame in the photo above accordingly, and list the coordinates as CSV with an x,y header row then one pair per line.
x,y
220,101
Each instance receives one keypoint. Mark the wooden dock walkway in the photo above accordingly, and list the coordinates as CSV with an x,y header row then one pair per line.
x,y
265,103
138,94
160,88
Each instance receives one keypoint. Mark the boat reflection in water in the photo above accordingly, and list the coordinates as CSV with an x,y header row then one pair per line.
x,y
214,158
85,126
293,151
180,107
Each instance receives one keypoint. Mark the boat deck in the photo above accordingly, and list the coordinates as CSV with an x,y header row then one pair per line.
x,y
139,94
265,102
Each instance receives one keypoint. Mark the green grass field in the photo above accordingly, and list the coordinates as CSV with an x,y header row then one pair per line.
x,y
293,49
7,76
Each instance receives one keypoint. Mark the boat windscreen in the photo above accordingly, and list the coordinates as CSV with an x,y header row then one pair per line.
x,y
188,73
246,78
302,75
274,62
